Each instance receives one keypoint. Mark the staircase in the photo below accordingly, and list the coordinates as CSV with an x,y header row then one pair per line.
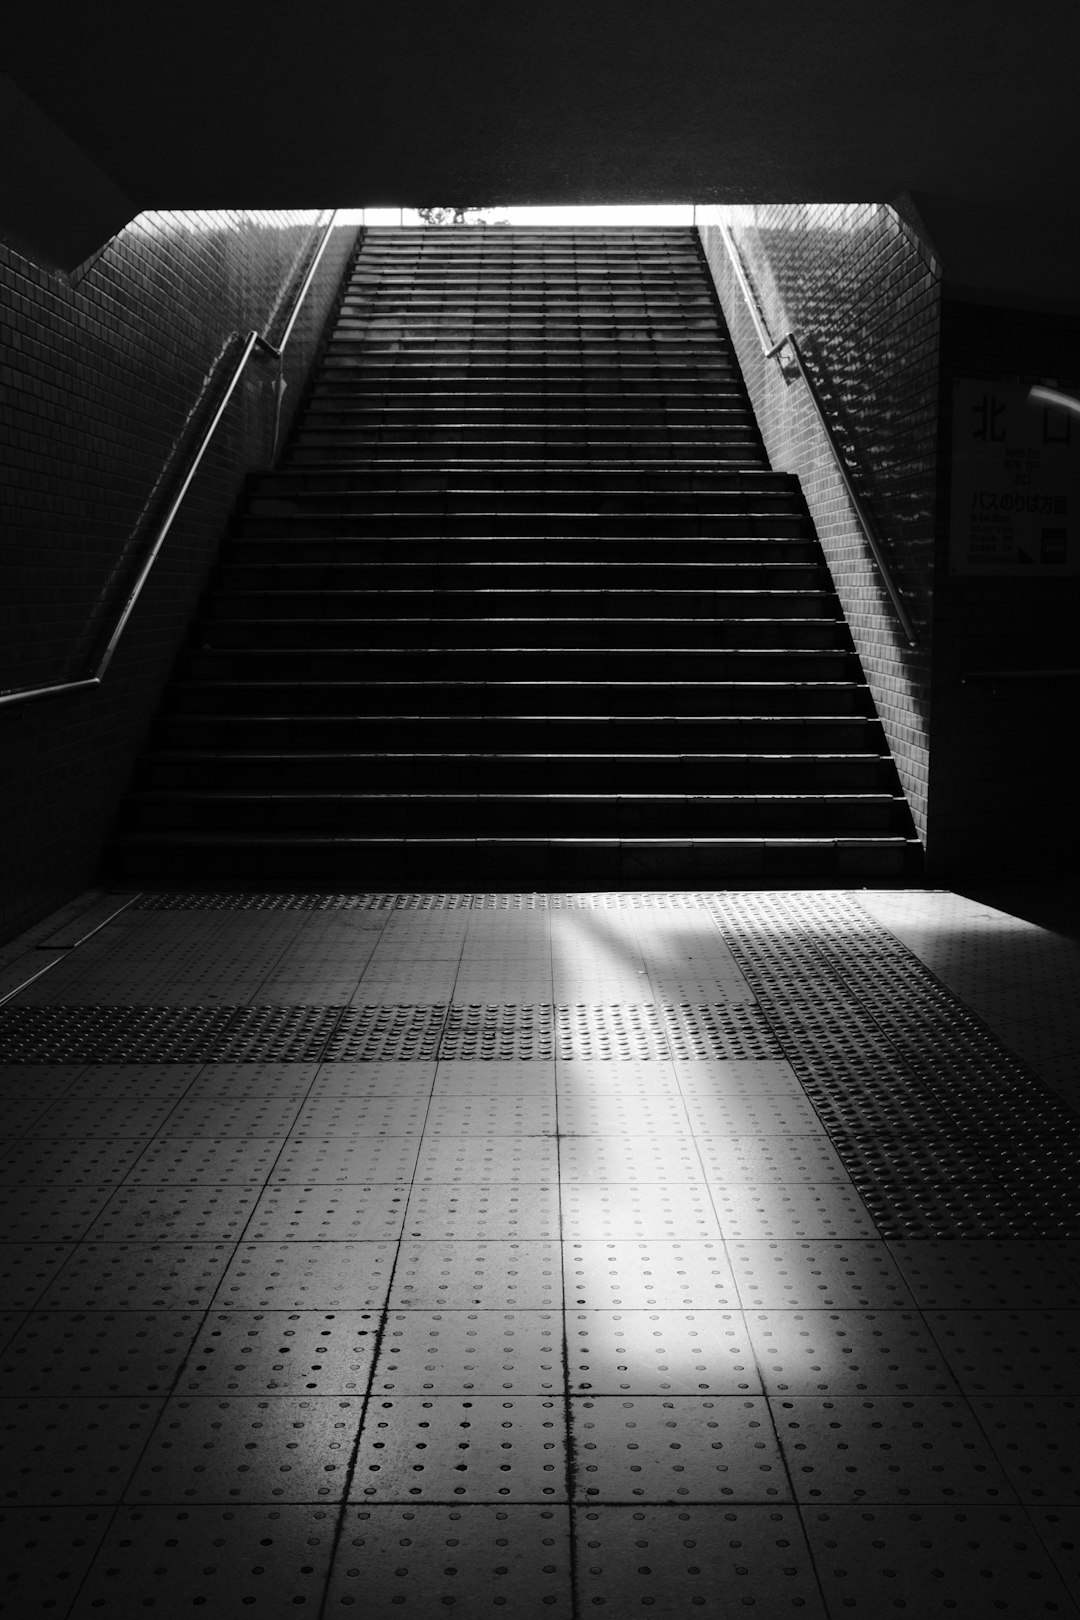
x,y
523,606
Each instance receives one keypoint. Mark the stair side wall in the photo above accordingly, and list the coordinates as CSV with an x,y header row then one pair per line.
x,y
861,290
98,374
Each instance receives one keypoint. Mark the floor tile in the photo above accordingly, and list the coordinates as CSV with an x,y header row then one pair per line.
x,y
782,1274
1037,1442
848,1353
331,1212
522,1274
1027,1352
487,1159
668,1273
304,1276
328,1159
223,1117
172,1561
204,1161
585,1078
660,1353
76,1450
741,1114
50,1214
281,1353
138,1276
628,1158
620,1210
373,1079
700,1560
427,1559
985,1273
470,1352
94,1353
213,1214
68,1162
285,1448
799,1210
500,1211
756,1159
664,1449
737,1077
914,1449
444,1449
47,1551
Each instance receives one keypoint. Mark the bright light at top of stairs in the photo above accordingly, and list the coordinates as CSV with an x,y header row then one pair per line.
x,y
629,214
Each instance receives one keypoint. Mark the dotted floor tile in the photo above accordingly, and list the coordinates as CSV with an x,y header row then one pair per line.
x,y
433,1559
848,1353
68,1162
799,1210
285,1448
772,1115
670,1274
615,1115
503,1115
44,1081
361,1116
985,1274
71,1450
470,1352
920,1448
196,1161
373,1079
281,1353
737,1078
663,1449
801,1275
657,1210
56,1214
696,1560
487,1159
305,1161
336,1213
966,1562
98,1352
597,1159
298,1276
660,1353
478,1078
135,1080
47,1551
172,1561
500,1211
257,1116
445,1449
1027,1352
105,1116
225,1081
1059,1531
524,1274
1037,1442
158,1214
628,1078
138,1276
765,1159
27,1270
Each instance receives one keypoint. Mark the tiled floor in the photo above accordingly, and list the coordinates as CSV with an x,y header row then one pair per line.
x,y
674,1254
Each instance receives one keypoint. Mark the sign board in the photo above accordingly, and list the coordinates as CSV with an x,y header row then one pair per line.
x,y
1015,484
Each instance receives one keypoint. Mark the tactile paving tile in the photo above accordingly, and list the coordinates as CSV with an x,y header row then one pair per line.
x,y
298,1276
636,1275
286,1448
801,1210
106,1034
47,1551
305,1161
658,1210
520,1274
138,1276
848,1353
170,1560
470,1352
431,1559
213,901
484,1448
204,1161
740,1160
376,1033
501,1210
802,1275
487,1159
1027,1352
628,1158
985,1275
78,1450
53,1214
660,1449
969,1562
69,1161
97,1352
1037,1442
694,1560
660,1353
887,1448
162,1214
499,1030
332,1213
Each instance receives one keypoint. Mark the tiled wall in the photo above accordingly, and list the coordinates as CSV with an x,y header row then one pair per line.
x,y
101,379
1000,798
857,285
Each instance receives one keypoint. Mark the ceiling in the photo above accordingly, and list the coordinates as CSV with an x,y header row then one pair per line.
x,y
223,103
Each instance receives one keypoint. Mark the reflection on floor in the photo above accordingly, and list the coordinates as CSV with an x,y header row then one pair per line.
x,y
547,1255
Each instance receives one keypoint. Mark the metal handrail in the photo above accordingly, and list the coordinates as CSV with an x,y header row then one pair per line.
x,y
772,351
252,341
